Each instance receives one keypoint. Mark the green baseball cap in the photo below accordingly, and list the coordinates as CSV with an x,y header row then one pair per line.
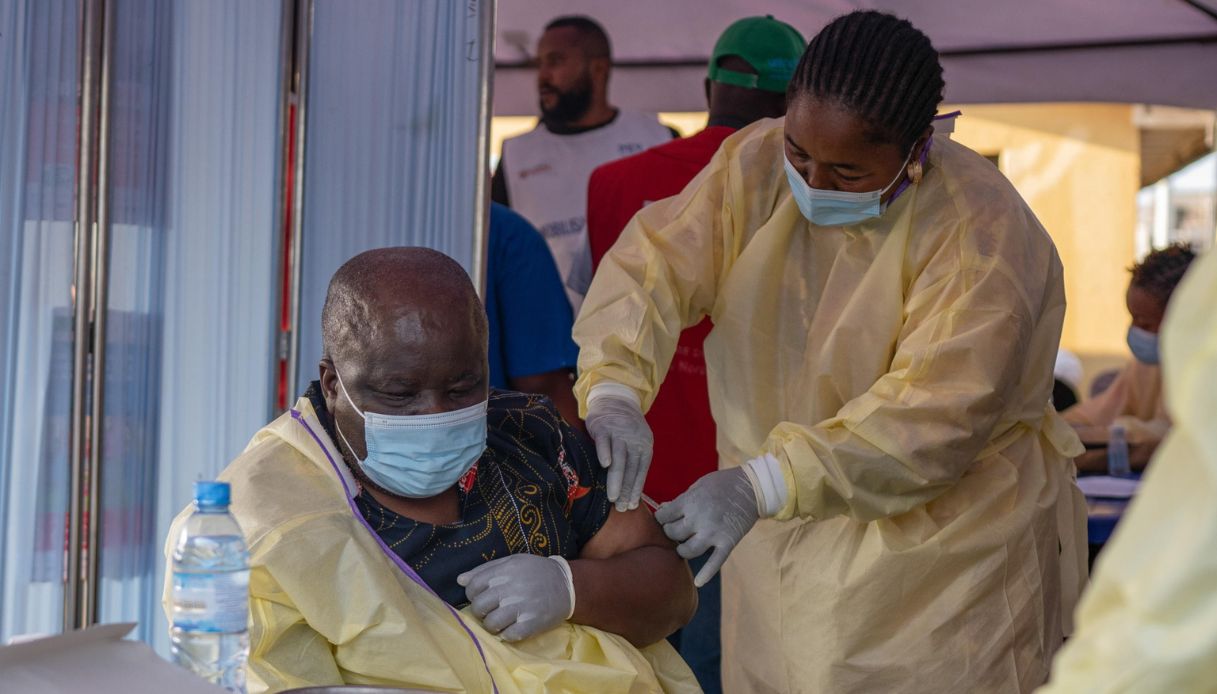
x,y
771,47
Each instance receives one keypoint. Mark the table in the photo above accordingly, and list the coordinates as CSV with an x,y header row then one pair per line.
x,y
1102,515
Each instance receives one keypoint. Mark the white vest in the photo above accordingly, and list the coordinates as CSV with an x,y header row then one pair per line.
x,y
547,177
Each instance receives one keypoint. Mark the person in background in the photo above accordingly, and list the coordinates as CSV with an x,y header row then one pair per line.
x,y
1148,620
1134,400
750,68
543,173
409,526
531,350
895,492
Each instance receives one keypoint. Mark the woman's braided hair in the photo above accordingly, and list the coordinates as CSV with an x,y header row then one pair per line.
x,y
878,66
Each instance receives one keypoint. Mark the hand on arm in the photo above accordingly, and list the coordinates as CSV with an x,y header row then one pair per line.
x,y
628,580
624,442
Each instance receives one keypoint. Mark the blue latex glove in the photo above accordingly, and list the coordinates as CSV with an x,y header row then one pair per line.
x,y
520,596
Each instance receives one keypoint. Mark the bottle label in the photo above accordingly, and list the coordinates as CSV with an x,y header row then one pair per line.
x,y
212,601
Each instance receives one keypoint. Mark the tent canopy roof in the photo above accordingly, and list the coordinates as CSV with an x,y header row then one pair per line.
x,y
993,51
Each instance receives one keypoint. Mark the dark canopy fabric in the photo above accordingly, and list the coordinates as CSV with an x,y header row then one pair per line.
x,y
993,51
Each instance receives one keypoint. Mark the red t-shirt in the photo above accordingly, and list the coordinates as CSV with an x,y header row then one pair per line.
x,y
680,416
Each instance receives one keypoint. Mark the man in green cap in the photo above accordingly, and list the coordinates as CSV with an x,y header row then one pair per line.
x,y
749,69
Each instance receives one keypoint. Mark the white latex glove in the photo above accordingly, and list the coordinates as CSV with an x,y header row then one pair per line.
x,y
520,596
623,444
716,512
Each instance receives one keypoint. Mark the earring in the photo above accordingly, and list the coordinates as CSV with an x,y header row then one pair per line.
x,y
915,171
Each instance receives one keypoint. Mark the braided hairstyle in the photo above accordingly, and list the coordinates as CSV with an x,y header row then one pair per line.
x,y
878,66
1159,273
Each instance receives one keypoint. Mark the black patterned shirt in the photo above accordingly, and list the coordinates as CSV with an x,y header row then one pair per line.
x,y
537,489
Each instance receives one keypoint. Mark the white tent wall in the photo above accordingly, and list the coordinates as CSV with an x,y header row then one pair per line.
x,y
189,254
994,51
393,154
190,324
38,127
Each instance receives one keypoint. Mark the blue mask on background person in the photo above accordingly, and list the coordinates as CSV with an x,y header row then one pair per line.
x,y
1144,345
830,208
419,456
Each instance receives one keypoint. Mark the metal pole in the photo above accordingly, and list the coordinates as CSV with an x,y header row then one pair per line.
x,y
304,32
287,70
481,191
91,555
91,13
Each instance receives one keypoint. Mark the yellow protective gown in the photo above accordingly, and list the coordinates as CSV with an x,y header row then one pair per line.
x,y
1148,621
1133,400
329,606
901,370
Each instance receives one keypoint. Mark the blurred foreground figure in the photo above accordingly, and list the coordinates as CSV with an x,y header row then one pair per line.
x,y
1148,621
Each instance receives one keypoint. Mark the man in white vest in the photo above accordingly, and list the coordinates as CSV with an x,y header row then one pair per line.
x,y
543,174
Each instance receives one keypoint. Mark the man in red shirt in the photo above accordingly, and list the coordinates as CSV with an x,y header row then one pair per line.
x,y
749,70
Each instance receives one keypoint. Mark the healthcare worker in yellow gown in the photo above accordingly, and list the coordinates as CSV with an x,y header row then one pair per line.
x,y
895,493
1148,621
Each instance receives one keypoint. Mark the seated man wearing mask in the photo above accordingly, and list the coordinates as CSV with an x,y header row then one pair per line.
x,y
400,490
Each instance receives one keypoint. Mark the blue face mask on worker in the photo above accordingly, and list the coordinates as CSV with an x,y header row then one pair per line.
x,y
1144,345
836,207
419,456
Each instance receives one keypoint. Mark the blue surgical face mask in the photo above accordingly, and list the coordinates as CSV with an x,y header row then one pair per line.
x,y
1144,345
831,208
419,456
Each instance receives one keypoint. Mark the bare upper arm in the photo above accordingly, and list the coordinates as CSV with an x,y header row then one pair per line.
x,y
623,532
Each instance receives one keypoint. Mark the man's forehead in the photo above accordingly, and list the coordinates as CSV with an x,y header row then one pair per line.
x,y
411,326
560,39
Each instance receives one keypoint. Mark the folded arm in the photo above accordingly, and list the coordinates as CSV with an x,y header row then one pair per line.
x,y
630,581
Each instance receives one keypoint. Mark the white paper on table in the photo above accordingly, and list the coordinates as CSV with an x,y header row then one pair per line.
x,y
94,660
1105,487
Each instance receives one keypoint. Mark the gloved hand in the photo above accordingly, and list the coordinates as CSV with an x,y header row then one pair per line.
x,y
717,511
623,443
520,596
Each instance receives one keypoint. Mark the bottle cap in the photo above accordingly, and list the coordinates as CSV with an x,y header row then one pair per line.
x,y
212,494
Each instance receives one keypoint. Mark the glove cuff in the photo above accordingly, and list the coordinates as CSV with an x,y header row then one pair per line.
x,y
765,474
608,389
570,581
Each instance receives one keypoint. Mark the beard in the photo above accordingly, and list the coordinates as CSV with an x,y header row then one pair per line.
x,y
571,105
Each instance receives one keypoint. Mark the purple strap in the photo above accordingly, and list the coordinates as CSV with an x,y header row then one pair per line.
x,y
401,564
923,157
925,154
904,185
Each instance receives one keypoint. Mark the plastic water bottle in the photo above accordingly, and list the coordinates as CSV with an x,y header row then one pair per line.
x,y
209,634
1117,452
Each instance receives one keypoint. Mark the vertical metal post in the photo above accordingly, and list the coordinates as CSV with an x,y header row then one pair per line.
x,y
304,33
91,14
481,189
91,552
282,330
